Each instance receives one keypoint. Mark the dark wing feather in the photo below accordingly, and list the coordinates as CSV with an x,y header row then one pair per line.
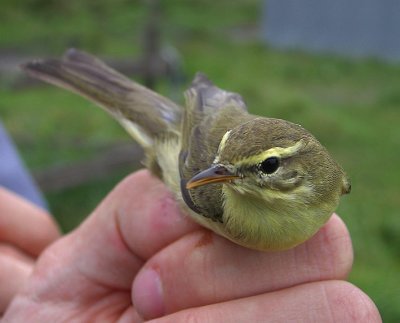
x,y
203,101
210,112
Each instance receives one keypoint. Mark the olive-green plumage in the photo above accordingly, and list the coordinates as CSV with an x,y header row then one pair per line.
x,y
263,183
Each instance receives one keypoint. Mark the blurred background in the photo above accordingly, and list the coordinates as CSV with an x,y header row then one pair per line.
x,y
333,68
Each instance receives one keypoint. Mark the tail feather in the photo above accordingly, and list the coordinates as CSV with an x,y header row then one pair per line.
x,y
145,114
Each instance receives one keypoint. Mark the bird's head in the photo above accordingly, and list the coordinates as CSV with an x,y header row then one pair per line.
x,y
274,159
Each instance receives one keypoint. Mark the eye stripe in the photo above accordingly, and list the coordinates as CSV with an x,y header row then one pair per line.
x,y
278,152
222,145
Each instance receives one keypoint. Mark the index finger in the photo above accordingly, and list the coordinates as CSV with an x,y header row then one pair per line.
x,y
202,269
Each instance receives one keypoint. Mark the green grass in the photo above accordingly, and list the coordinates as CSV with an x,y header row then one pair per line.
x,y
352,106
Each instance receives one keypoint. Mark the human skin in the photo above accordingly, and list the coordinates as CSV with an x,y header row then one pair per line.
x,y
136,257
25,230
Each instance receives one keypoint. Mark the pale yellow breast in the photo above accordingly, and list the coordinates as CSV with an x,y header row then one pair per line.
x,y
256,223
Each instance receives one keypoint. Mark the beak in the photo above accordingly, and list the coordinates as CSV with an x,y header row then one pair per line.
x,y
214,174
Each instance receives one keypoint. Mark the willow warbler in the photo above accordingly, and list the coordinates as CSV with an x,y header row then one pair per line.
x,y
262,183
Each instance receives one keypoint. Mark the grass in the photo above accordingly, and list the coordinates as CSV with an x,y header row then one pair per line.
x,y
352,106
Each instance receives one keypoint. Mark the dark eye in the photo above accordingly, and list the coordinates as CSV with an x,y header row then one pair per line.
x,y
270,165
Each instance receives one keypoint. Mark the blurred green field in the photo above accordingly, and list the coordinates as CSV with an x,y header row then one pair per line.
x,y
351,106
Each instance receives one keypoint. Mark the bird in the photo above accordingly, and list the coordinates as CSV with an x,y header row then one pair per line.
x,y
263,183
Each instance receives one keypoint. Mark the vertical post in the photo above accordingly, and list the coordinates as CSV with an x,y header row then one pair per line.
x,y
152,64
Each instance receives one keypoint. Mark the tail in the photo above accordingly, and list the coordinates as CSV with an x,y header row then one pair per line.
x,y
145,114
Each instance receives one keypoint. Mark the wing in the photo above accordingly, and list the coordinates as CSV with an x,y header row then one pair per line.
x,y
204,101
210,112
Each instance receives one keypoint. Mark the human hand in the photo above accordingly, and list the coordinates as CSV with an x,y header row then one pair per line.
x,y
25,230
137,257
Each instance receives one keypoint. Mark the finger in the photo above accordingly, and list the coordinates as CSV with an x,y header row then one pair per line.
x,y
327,301
10,251
15,269
203,268
148,215
24,225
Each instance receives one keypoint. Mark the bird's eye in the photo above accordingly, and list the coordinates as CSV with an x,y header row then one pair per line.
x,y
270,165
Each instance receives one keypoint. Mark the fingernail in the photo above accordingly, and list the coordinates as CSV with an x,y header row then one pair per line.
x,y
147,294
